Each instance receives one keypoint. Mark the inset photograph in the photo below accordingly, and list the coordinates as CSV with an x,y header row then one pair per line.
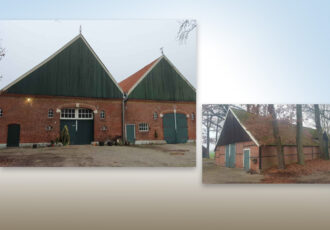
x,y
115,93
265,143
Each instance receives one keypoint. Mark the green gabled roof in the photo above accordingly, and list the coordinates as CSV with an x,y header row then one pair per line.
x,y
74,70
261,129
159,80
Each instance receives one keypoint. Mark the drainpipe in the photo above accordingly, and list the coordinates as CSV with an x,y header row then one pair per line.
x,y
123,117
260,158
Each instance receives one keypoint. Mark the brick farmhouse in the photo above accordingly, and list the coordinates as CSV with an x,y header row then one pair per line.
x,y
247,141
73,87
160,105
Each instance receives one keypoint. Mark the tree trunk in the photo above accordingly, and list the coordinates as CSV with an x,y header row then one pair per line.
x,y
277,137
319,130
299,134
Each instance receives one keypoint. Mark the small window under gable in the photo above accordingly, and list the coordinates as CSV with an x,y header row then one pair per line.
x,y
50,113
155,115
1,112
143,127
193,116
102,114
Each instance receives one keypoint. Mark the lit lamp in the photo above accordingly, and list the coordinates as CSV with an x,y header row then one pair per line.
x,y
28,100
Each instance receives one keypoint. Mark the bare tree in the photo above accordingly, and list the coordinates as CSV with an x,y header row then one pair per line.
x,y
277,137
319,129
2,54
299,134
185,28
213,117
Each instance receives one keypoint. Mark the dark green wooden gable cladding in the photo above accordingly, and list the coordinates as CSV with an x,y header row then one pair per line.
x,y
163,82
75,71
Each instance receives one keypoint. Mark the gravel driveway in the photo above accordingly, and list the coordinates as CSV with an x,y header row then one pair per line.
x,y
166,155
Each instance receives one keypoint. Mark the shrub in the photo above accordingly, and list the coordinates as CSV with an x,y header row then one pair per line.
x,y
65,136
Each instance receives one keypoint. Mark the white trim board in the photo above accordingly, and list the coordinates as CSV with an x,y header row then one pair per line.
x,y
250,135
56,53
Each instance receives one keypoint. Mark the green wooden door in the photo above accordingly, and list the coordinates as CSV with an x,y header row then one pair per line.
x,y
13,135
71,124
232,156
246,159
227,156
84,132
130,133
175,128
81,131
169,128
182,128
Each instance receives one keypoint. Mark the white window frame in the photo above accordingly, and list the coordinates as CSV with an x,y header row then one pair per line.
x,y
76,114
50,112
145,129
102,114
87,114
1,112
249,157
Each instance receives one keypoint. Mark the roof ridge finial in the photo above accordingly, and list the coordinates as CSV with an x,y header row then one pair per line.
x,y
162,50
80,29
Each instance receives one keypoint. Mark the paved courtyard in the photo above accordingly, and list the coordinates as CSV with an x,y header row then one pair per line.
x,y
166,155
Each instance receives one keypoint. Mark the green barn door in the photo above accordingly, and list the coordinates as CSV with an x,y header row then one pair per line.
x,y
227,156
232,156
81,131
130,133
169,128
71,124
175,128
246,162
13,135
182,128
85,132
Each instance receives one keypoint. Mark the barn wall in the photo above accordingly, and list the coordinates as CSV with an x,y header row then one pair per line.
x,y
33,117
269,155
254,155
142,111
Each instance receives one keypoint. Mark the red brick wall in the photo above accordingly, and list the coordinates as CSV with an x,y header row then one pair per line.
x,y
269,155
137,111
254,154
33,116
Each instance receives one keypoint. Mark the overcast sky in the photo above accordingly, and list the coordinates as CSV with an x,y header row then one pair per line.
x,y
124,46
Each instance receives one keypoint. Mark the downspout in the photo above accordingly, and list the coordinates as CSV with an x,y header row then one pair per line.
x,y
123,117
260,166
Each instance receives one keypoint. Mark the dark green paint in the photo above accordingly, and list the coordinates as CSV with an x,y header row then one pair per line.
x,y
13,135
163,83
227,156
246,159
175,133
232,157
83,134
73,72
130,133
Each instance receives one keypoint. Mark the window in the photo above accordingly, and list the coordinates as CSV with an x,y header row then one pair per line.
x,y
68,113
192,116
85,113
155,115
143,127
102,114
1,113
50,113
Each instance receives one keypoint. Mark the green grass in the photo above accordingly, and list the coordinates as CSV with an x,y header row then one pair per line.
x,y
212,154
